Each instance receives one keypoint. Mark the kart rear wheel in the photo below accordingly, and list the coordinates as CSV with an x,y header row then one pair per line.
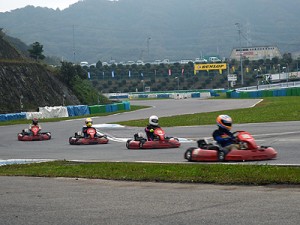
x,y
71,142
221,156
189,154
127,144
141,144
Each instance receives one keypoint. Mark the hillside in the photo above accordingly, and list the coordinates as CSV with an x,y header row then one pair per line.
x,y
93,30
27,85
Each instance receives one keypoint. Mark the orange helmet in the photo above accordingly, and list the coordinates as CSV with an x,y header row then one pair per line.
x,y
224,121
88,122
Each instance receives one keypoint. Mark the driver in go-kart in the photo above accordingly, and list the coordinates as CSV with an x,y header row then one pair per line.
x,y
223,136
153,124
35,122
88,124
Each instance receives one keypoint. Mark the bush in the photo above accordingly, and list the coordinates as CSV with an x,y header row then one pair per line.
x,y
86,93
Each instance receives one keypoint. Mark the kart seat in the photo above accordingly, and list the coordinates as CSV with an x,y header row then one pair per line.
x,y
204,144
138,137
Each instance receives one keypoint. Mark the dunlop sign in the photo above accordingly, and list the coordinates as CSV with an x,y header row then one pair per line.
x,y
215,66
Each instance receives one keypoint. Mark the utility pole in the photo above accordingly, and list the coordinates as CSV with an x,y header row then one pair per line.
x,y
148,42
241,56
141,55
74,58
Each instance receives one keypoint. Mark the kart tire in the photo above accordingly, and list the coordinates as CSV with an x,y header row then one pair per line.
x,y
127,144
221,156
141,144
71,142
189,154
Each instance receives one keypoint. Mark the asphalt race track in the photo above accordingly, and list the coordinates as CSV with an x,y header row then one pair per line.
x,y
283,136
44,201
32,200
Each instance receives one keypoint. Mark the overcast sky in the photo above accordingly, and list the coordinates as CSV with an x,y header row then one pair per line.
x,y
7,5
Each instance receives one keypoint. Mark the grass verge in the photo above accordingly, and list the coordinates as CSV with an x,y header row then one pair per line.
x,y
152,172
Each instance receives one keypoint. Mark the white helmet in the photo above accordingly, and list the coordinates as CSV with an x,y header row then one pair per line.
x,y
153,120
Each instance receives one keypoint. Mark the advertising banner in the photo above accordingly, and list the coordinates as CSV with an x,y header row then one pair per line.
x,y
213,66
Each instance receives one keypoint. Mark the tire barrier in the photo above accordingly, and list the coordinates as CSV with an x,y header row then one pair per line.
x,y
12,116
295,91
78,110
166,95
173,95
66,111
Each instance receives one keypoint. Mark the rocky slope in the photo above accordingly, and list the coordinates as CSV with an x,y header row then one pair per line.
x,y
26,85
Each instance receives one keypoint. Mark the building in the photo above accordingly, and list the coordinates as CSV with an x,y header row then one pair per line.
x,y
255,53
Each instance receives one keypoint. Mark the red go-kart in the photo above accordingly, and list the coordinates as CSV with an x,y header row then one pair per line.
x,y
249,151
160,141
92,139
34,134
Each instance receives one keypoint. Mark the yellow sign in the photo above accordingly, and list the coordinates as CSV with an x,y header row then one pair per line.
x,y
214,66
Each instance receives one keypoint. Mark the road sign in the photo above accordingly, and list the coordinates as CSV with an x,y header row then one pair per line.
x,y
232,77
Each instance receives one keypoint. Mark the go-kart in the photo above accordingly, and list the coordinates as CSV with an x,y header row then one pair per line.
x,y
92,138
160,141
248,150
33,134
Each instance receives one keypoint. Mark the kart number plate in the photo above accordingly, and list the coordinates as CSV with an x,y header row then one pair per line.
x,y
246,136
196,151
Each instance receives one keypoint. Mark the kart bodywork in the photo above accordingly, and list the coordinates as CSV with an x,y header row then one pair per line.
x,y
91,139
249,151
34,134
160,141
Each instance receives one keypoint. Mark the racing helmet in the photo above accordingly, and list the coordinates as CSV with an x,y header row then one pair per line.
x,y
35,121
88,122
153,120
224,121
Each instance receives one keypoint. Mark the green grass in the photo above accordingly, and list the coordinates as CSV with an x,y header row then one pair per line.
x,y
271,109
25,121
183,173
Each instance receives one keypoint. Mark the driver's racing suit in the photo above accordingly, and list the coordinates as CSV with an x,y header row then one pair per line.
x,y
84,131
225,139
150,131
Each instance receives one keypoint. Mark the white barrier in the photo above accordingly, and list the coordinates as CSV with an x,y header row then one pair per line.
x,y
31,115
152,96
54,112
181,95
205,95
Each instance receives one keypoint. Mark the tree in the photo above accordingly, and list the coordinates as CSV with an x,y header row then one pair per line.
x,y
67,72
36,51
287,58
99,65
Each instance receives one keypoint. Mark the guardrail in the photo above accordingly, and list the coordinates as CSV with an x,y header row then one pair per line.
x,y
269,90
172,95
270,86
